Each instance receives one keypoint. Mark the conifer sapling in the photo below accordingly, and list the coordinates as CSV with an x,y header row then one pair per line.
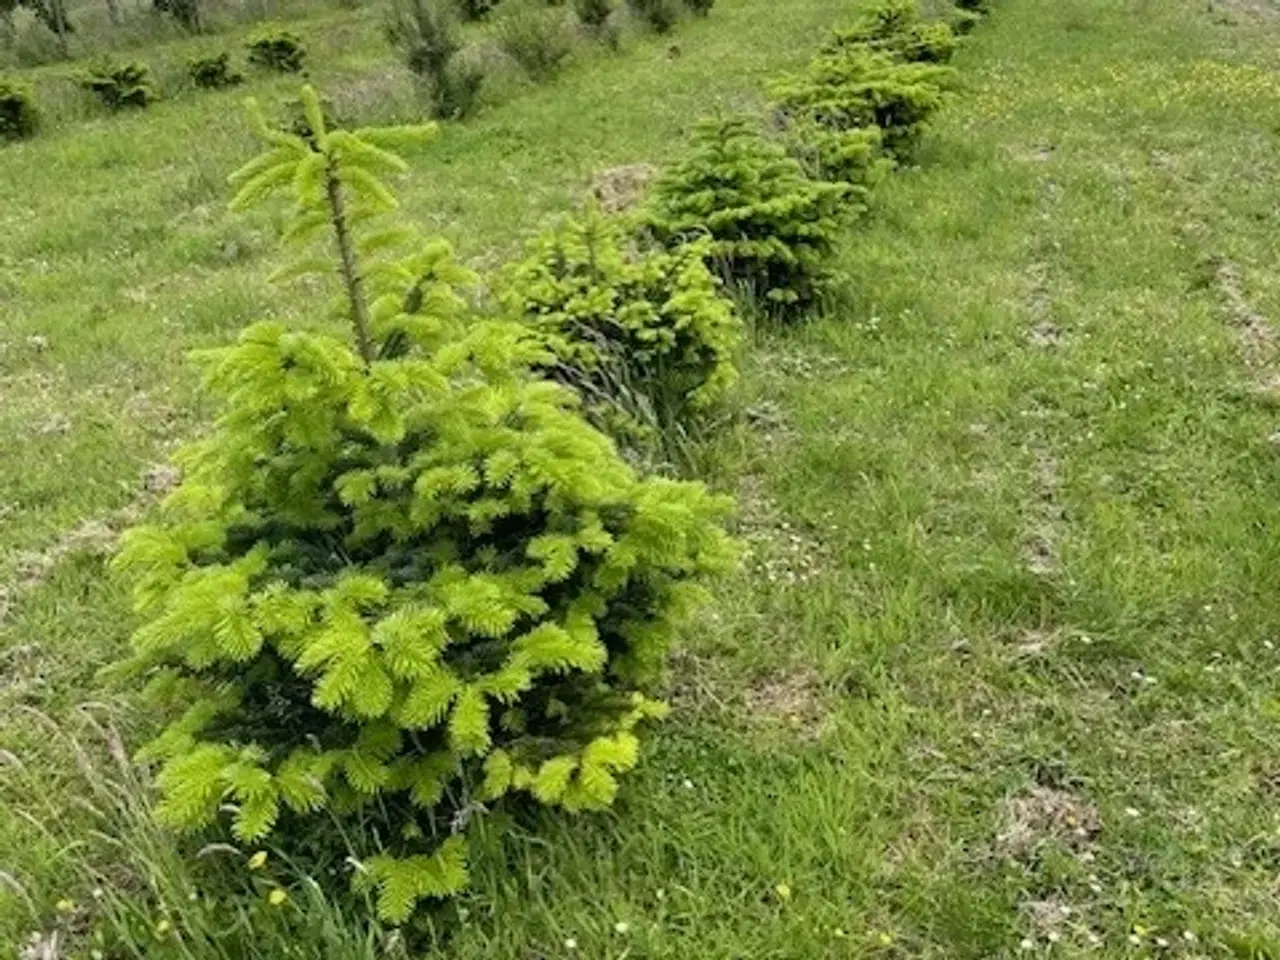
x,y
772,229
852,88
404,579
643,335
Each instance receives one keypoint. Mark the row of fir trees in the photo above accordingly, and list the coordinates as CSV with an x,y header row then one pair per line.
x,y
414,570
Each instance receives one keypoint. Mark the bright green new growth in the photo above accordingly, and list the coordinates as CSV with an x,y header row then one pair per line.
x,y
853,88
855,157
406,578
334,177
772,230
643,336
19,117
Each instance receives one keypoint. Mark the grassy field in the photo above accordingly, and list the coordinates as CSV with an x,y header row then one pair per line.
x,y
999,675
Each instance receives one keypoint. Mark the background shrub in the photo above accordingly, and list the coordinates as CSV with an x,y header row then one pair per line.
x,y
851,87
475,9
772,229
643,336
402,579
661,15
186,12
593,14
120,86
277,49
700,8
536,37
427,36
214,73
52,16
966,15
19,116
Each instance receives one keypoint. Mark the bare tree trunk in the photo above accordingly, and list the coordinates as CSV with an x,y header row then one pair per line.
x,y
113,11
60,26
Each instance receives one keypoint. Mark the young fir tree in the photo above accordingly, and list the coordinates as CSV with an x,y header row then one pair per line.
x,y
895,27
402,576
643,335
852,88
121,86
772,229
19,115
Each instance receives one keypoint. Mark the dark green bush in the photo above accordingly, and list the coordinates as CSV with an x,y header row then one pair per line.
x,y
594,14
661,15
538,38
426,34
643,336
700,8
19,116
964,21
214,73
402,577
475,9
851,87
772,229
119,86
276,49
895,27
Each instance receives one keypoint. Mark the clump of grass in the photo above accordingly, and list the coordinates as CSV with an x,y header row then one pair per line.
x,y
135,892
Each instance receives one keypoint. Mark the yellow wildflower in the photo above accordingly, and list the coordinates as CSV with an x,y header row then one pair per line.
x,y
277,897
258,860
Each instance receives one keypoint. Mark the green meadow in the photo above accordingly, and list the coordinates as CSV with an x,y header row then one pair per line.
x,y
998,671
